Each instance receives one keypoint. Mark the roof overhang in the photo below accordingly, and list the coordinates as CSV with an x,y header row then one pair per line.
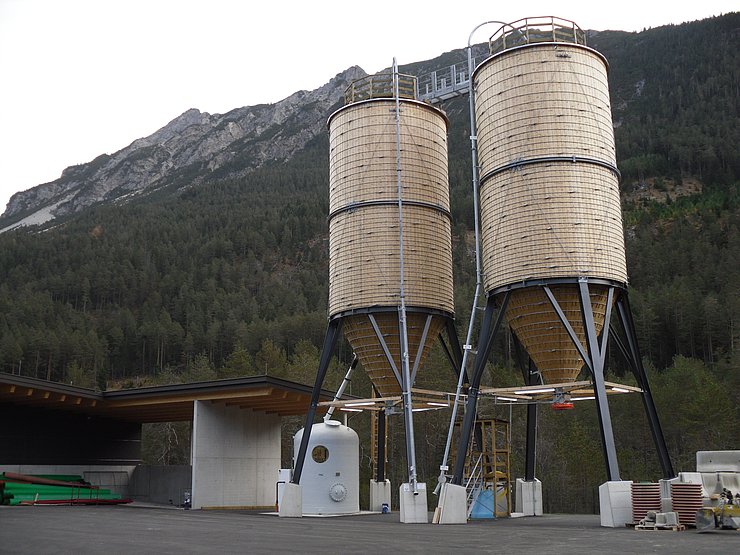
x,y
165,403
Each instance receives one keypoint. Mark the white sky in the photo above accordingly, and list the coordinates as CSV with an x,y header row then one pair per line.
x,y
79,78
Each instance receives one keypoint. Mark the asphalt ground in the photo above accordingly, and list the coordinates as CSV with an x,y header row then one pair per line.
x,y
135,529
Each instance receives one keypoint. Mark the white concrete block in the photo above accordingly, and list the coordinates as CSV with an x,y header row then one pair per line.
x,y
413,507
453,504
291,505
666,499
615,503
285,475
528,497
718,461
380,492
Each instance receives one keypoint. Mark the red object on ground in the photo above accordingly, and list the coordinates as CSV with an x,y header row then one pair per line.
x,y
45,481
78,502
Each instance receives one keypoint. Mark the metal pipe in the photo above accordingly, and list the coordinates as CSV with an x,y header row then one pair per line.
x,y
478,264
402,327
488,331
342,386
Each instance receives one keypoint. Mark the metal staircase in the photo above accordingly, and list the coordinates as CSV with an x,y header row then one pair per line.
x,y
487,466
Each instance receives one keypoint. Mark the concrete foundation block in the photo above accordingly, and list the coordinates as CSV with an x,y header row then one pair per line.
x,y
718,461
666,499
453,504
615,503
413,507
380,494
529,497
291,504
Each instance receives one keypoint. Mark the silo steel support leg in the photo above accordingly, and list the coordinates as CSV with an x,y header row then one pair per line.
x,y
380,468
596,366
531,447
489,329
455,355
330,341
408,408
531,377
635,360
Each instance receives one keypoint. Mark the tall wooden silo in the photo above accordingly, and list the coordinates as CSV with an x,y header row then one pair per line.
x,y
553,253
549,193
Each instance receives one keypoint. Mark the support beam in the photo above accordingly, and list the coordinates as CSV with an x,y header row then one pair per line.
x,y
596,367
531,377
455,355
488,331
330,341
386,350
635,359
420,350
567,325
380,466
408,407
530,458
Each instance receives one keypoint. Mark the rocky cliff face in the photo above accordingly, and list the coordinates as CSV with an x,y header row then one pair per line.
x,y
192,148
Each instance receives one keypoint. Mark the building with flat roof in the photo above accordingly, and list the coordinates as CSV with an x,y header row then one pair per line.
x,y
54,428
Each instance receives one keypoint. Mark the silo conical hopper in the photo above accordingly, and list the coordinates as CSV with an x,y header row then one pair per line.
x,y
549,196
364,246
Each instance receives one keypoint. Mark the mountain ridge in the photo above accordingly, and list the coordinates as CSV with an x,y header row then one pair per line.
x,y
195,144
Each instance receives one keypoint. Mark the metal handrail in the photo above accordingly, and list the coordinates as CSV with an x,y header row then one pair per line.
x,y
532,30
476,471
476,479
380,85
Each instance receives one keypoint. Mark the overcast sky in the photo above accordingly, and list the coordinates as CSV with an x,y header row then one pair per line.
x,y
79,78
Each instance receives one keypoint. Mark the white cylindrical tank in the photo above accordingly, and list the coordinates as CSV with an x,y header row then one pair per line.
x,y
331,473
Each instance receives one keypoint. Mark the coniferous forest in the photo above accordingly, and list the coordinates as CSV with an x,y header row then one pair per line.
x,y
230,278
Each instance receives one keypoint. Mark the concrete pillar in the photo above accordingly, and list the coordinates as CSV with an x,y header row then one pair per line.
x,y
528,497
291,503
413,507
615,503
453,505
380,493
236,456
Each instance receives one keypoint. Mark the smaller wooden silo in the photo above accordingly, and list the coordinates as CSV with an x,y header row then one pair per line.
x,y
364,219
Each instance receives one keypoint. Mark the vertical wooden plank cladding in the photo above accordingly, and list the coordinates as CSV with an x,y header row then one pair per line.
x,y
551,218
364,247
550,205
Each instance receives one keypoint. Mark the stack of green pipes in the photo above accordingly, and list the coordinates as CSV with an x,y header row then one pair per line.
x,y
16,489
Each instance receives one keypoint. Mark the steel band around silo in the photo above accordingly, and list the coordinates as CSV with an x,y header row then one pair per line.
x,y
390,202
545,159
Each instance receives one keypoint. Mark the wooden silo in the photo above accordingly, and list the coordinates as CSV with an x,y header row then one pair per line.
x,y
553,254
390,249
549,195
364,247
